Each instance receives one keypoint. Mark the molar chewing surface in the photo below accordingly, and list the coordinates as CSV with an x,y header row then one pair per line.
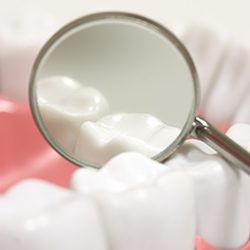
x,y
64,112
77,119
134,203
100,141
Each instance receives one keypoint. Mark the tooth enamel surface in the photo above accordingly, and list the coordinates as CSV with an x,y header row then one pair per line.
x,y
231,85
241,134
206,49
37,215
64,112
100,141
243,115
146,211
22,34
221,194
120,174
224,75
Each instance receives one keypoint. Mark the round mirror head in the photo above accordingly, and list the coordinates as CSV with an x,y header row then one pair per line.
x,y
110,83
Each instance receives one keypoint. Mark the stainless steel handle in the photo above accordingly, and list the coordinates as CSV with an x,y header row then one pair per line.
x,y
228,148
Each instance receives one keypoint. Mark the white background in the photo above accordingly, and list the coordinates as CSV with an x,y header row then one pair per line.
x,y
227,16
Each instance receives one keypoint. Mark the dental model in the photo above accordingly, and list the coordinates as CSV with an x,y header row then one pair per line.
x,y
22,34
135,203
38,215
99,141
64,112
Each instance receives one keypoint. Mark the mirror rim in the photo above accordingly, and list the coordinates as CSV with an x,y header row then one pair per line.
x,y
126,16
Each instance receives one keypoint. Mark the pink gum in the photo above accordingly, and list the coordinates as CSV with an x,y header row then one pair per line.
x,y
203,245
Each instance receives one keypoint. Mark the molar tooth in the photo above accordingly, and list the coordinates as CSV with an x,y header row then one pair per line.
x,y
118,174
41,216
98,142
64,113
22,34
221,194
150,212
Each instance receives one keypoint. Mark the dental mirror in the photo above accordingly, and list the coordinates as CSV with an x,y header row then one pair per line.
x,y
113,82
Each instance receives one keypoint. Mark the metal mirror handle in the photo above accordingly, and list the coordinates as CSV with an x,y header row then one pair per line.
x,y
228,148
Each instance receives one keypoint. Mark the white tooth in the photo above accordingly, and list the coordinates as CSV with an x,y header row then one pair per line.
x,y
98,142
242,114
206,48
241,134
230,86
22,34
121,172
221,194
91,181
150,212
63,112
41,216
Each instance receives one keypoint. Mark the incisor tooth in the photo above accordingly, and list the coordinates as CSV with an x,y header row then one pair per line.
x,y
64,113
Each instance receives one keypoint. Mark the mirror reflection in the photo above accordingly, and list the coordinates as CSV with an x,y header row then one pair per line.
x,y
112,85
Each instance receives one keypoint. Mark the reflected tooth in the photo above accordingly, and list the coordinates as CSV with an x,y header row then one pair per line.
x,y
150,212
221,194
98,142
64,112
22,34
41,216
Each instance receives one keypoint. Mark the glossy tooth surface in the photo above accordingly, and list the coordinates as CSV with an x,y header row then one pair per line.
x,y
146,211
100,141
243,115
241,134
231,86
206,49
64,112
22,34
221,195
41,216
